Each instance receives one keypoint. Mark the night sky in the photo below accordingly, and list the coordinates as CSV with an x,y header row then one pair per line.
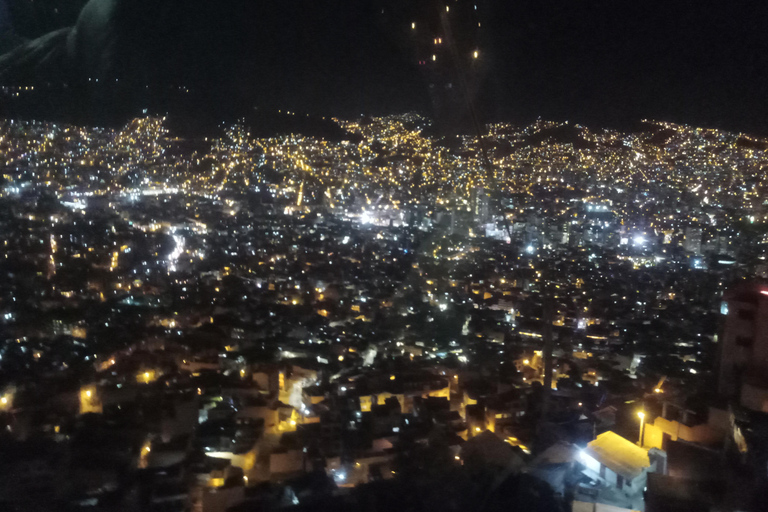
x,y
599,63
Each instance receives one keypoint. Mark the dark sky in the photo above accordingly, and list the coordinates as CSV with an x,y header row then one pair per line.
x,y
597,62
610,62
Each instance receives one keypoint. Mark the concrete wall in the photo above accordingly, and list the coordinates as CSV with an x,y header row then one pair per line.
x,y
612,478
440,393
591,464
755,398
719,419
381,399
244,461
703,434
653,437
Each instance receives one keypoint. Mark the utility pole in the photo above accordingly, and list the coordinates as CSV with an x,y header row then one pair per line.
x,y
547,300
548,345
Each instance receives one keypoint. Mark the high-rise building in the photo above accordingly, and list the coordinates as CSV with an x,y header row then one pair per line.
x,y
743,371
692,242
481,205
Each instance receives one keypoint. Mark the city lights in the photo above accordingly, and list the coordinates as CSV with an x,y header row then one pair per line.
x,y
372,272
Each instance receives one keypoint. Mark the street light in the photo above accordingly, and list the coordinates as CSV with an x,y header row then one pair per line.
x,y
641,415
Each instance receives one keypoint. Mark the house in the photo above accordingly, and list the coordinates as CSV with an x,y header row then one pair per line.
x,y
619,470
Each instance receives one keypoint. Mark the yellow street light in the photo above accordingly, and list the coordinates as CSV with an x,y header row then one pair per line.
x,y
641,415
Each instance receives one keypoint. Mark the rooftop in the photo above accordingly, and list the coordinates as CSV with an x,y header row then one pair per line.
x,y
618,454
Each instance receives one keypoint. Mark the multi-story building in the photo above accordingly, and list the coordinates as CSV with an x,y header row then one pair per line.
x,y
692,242
743,371
480,205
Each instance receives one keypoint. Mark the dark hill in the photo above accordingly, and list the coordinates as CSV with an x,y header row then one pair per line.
x,y
563,134
321,58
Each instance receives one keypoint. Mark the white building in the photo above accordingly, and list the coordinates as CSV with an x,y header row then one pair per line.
x,y
620,469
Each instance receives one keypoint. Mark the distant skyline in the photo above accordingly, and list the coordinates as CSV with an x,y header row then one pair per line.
x,y
600,63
